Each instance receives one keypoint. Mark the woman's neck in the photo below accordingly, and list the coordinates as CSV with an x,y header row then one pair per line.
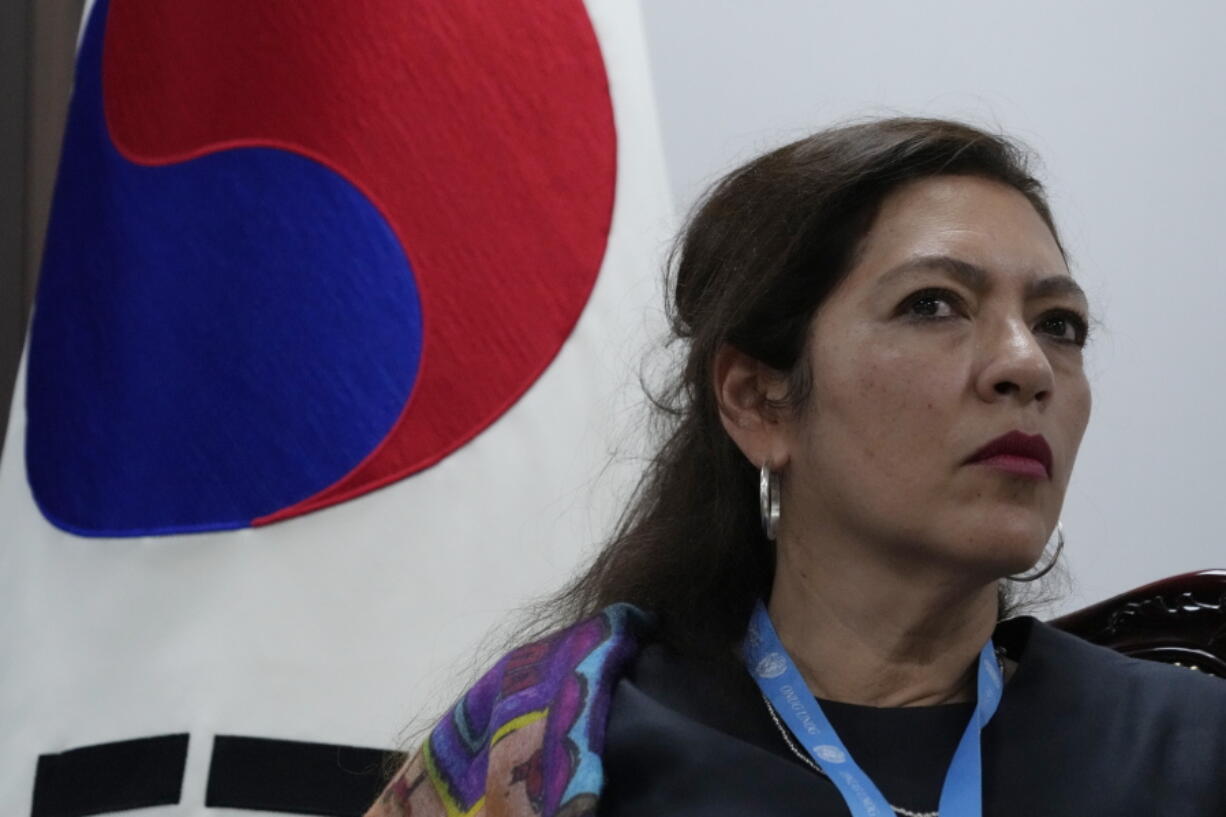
x,y
868,634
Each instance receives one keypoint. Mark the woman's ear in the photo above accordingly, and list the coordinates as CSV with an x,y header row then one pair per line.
x,y
749,394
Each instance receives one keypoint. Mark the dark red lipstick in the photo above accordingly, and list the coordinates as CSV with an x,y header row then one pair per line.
x,y
1026,455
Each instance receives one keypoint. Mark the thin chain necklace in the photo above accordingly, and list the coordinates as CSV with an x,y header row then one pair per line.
x,y
808,761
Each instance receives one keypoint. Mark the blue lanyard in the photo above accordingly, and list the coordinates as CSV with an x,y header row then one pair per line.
x,y
782,684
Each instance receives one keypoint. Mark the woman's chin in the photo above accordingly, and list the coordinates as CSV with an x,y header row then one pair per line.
x,y
994,553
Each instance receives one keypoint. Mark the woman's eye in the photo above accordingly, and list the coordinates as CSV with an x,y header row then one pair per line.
x,y
1067,327
932,303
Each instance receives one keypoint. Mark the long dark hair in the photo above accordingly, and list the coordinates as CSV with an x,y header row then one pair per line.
x,y
761,251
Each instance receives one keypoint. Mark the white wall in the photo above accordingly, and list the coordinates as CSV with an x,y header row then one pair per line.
x,y
1125,103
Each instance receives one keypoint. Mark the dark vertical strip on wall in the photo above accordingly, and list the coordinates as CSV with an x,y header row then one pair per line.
x,y
37,47
14,88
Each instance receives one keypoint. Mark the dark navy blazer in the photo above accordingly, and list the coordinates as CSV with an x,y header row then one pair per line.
x,y
1080,730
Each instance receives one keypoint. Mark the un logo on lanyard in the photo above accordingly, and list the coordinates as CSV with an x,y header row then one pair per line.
x,y
772,665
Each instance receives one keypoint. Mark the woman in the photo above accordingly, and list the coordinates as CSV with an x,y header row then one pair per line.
x,y
801,611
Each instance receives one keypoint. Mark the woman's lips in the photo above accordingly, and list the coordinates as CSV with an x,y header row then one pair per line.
x,y
1021,466
1025,455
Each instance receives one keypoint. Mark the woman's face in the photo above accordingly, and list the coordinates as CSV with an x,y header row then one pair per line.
x,y
959,323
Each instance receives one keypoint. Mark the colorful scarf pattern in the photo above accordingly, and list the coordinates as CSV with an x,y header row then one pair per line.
x,y
526,738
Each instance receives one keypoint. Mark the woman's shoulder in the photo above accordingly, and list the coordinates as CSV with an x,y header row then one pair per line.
x,y
1150,737
1072,667
529,731
594,649
1079,652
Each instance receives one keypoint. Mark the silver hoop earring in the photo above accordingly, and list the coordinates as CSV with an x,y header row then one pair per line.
x,y
1023,577
768,500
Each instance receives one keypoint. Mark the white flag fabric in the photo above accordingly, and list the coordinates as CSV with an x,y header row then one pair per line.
x,y
339,324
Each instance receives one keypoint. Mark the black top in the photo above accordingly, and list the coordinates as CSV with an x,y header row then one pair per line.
x,y
1080,730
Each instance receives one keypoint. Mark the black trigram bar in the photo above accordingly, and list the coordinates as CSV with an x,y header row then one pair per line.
x,y
117,776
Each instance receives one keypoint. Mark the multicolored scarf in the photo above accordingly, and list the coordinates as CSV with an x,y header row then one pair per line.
x,y
526,738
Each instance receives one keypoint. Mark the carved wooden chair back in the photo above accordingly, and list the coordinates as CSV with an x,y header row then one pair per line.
x,y
1180,620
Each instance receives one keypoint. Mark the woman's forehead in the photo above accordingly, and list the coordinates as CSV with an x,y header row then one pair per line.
x,y
970,227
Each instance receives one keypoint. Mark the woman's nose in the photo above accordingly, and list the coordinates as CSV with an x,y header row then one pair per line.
x,y
1015,365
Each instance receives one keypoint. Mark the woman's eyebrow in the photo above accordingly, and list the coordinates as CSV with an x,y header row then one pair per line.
x,y
977,278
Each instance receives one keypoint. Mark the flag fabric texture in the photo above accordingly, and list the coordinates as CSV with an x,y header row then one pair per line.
x,y
338,328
